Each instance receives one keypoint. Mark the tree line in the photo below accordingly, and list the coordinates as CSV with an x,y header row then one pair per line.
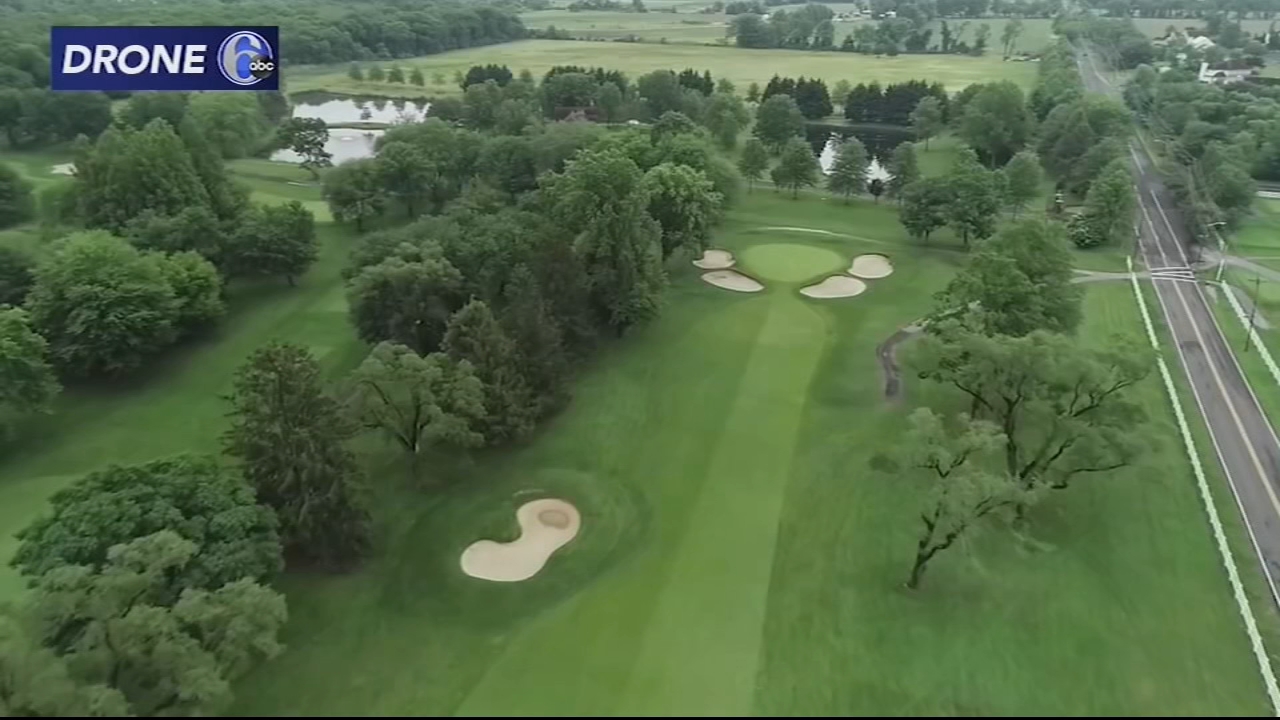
x,y
309,33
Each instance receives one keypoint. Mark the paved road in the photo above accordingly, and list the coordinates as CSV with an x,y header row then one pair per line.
x,y
1244,440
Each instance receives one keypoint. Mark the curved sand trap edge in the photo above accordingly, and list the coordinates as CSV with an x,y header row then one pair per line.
x,y
545,526
715,260
871,267
730,280
836,286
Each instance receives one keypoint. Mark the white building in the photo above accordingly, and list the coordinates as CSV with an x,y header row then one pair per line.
x,y
1224,77
1200,42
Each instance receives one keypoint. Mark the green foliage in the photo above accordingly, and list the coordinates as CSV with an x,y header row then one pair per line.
x,y
926,119
925,203
1108,210
197,287
754,160
117,627
416,77
194,229
964,490
27,383
142,108
778,120
233,123
16,266
1067,411
661,92
509,164
290,438
996,122
355,73
1022,180
307,137
848,174
277,240
904,169
418,401
130,171
797,167
480,104
1017,282
530,320
684,203
38,682
976,196
475,339
16,204
1078,138
102,306
194,497
354,192
406,301
395,75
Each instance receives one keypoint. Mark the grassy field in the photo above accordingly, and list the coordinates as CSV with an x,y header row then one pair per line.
x,y
740,66
738,554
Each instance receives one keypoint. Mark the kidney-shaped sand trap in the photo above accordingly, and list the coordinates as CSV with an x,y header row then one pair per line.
x,y
871,267
730,280
836,286
715,260
545,526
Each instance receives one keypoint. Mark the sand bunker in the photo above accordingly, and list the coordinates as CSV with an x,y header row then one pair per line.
x,y
730,280
836,286
63,169
545,526
871,267
715,260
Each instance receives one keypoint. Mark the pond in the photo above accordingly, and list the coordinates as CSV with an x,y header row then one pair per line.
x,y
880,141
338,110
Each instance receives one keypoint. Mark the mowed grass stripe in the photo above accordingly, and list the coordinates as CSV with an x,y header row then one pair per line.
x,y
702,645
678,384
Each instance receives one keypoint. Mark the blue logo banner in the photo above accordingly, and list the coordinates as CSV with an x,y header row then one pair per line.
x,y
165,58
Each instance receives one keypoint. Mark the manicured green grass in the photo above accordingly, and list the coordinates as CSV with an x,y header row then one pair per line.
x,y
1259,236
739,65
789,262
737,554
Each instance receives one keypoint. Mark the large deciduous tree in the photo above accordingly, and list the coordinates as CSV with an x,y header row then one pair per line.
x,y
38,683
418,401
903,169
924,206
1022,180
1065,410
275,240
965,484
120,628
354,192
926,119
754,161
197,287
27,382
796,168
406,301
996,122
725,116
848,174
290,438
1108,209
1017,282
976,195
778,120
306,137
102,305
17,268
476,339
233,123
685,204
211,506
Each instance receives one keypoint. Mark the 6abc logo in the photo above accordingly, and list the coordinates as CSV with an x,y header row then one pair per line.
x,y
246,58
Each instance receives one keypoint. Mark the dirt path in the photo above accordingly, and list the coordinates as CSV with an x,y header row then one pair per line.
x,y
886,353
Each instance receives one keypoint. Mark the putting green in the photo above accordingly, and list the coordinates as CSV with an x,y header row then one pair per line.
x,y
791,263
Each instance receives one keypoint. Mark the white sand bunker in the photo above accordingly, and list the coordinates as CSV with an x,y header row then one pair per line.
x,y
871,267
715,260
545,526
63,169
836,286
730,280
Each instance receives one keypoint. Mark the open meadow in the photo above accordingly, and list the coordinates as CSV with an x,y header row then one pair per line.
x,y
740,66
739,553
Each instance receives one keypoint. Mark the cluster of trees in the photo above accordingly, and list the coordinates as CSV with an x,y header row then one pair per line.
x,y
967,199
892,104
478,74
811,96
1219,139
327,32
1128,46
148,594
395,75
156,228
807,27
1044,412
1264,9
607,5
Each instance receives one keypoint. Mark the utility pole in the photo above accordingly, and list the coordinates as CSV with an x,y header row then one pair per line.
x,y
1222,250
1253,310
